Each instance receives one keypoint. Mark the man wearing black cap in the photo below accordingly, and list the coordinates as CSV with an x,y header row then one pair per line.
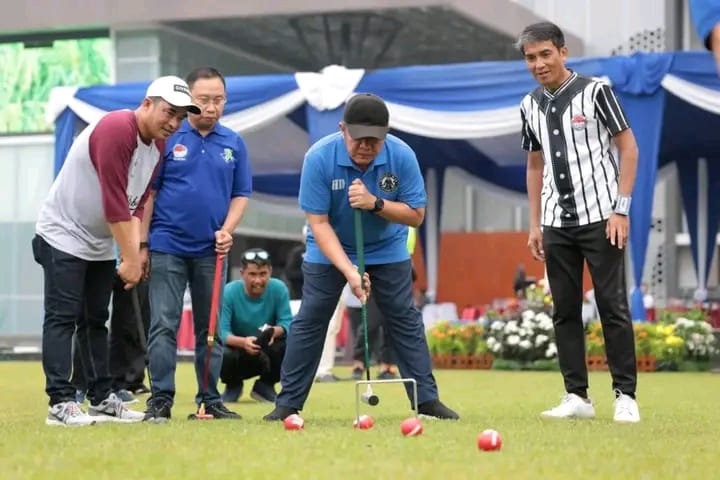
x,y
359,167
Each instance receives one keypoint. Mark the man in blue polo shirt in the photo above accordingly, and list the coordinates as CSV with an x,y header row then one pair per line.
x,y
359,167
200,196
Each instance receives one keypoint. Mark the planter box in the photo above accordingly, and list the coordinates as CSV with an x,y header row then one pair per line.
x,y
598,363
462,362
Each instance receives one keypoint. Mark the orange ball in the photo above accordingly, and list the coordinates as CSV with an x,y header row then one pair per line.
x,y
363,422
411,427
489,440
294,422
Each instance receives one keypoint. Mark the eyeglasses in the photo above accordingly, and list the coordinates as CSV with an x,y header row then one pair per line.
x,y
206,101
256,256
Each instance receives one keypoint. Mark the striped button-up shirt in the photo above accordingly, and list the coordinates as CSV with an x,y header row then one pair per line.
x,y
574,126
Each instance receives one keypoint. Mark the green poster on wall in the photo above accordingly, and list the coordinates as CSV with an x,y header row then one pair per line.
x,y
27,75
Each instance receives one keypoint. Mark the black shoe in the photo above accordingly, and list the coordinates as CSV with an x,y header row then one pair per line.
x,y
158,411
357,373
139,389
280,414
436,409
263,392
232,393
220,412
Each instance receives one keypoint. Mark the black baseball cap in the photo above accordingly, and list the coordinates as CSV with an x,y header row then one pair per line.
x,y
366,115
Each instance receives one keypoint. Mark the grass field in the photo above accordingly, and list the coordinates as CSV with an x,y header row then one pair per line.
x,y
677,438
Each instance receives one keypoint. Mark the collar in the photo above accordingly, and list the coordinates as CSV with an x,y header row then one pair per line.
x,y
562,86
218,129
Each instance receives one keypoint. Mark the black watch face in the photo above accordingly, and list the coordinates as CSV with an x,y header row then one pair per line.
x,y
379,204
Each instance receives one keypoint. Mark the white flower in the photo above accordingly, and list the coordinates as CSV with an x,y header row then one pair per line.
x,y
540,339
551,350
525,344
511,326
491,342
497,325
496,348
524,332
528,315
513,340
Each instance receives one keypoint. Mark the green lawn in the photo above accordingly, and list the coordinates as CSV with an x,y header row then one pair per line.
x,y
677,438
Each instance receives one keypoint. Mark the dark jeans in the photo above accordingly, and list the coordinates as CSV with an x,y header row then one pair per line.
x,y
76,299
566,249
380,349
169,277
238,365
127,350
392,288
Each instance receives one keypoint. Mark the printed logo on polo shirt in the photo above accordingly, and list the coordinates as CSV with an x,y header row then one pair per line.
x,y
228,155
179,152
578,122
388,182
338,184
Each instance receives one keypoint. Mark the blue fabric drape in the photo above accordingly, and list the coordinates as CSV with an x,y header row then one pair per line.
x,y
65,125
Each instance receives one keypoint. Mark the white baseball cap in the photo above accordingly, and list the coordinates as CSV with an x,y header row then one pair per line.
x,y
175,91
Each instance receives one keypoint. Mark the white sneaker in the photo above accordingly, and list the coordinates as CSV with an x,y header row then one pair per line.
x,y
68,414
112,409
571,406
626,409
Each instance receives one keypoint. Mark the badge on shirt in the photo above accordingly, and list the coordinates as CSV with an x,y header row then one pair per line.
x,y
388,182
179,152
228,155
578,122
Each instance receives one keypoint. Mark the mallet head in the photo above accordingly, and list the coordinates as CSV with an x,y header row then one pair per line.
x,y
369,397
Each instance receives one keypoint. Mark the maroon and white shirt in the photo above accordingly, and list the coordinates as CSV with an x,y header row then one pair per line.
x,y
105,179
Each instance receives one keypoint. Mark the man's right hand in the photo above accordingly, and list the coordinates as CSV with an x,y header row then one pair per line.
x,y
356,286
250,346
130,273
535,243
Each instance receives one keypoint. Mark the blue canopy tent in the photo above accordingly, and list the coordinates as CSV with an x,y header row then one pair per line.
x,y
464,115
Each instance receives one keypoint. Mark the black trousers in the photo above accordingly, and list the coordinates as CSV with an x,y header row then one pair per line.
x,y
380,349
238,365
126,349
566,249
77,296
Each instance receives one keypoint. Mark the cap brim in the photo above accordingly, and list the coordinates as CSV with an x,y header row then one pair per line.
x,y
367,131
180,101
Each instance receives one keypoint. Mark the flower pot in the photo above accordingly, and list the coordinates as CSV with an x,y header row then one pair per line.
x,y
645,363
596,363
481,361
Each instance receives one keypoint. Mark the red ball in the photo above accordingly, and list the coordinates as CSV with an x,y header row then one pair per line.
x,y
489,440
411,427
363,422
294,422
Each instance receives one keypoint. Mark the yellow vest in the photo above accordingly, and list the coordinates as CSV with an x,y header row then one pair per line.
x,y
412,235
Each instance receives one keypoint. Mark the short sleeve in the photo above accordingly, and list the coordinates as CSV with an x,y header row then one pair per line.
x,y
411,185
530,142
314,194
242,180
609,110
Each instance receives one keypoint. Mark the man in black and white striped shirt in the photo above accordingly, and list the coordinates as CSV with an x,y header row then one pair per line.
x,y
582,159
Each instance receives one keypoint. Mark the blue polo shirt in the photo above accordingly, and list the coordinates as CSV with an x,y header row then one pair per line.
x,y
198,179
326,176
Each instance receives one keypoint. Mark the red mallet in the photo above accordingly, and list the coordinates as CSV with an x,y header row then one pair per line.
x,y
363,422
489,441
411,427
294,422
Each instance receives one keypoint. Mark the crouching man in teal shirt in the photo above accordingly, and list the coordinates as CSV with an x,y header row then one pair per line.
x,y
255,321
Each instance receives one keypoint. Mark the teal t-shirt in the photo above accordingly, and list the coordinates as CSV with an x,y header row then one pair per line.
x,y
243,315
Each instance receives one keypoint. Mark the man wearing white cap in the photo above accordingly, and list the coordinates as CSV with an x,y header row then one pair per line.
x,y
96,201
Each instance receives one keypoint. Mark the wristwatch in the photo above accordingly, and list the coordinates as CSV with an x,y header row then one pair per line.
x,y
379,205
622,205
144,245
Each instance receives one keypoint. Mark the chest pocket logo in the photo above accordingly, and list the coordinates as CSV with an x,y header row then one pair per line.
x,y
180,151
388,182
338,184
228,155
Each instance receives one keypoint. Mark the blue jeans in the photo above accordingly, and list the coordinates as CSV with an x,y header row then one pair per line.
x,y
403,327
168,278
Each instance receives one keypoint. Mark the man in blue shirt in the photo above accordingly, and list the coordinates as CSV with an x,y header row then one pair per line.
x,y
200,195
255,319
706,17
359,167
